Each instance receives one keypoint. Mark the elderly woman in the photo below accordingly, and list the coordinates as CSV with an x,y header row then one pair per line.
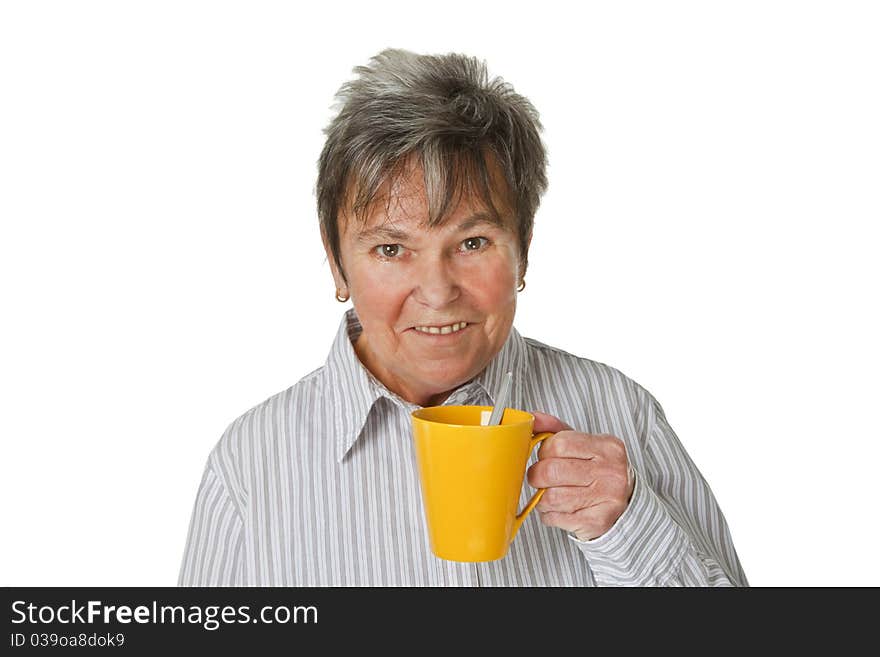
x,y
427,187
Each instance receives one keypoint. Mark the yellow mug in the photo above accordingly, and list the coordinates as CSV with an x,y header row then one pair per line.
x,y
471,476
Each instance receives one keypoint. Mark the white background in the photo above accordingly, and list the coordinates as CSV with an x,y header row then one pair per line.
x,y
708,230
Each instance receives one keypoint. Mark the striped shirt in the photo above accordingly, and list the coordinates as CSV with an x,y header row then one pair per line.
x,y
318,486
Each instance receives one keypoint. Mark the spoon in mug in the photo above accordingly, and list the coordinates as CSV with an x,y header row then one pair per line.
x,y
501,400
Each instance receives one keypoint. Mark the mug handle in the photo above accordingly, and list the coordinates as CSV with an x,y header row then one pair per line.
x,y
537,496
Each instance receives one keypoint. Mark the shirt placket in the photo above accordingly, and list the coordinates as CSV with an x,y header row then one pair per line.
x,y
470,395
451,573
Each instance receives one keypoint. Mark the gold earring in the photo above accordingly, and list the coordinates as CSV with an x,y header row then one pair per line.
x,y
522,285
341,299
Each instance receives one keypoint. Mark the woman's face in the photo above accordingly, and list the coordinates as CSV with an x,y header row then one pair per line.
x,y
405,279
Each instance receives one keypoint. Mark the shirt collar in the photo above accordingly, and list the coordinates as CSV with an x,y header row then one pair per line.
x,y
358,391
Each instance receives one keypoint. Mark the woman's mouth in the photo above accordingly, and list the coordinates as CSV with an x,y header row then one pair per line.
x,y
437,335
447,329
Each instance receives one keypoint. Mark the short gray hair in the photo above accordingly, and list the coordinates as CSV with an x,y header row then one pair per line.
x,y
444,110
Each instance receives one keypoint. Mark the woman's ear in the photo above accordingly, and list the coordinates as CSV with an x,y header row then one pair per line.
x,y
523,263
338,278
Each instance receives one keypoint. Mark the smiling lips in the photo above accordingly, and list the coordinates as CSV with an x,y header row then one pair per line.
x,y
441,330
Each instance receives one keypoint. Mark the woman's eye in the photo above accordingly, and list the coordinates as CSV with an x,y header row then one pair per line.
x,y
474,243
388,250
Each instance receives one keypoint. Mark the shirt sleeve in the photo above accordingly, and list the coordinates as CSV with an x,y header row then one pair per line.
x,y
214,553
673,532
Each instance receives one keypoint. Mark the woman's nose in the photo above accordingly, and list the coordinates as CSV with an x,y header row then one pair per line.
x,y
436,285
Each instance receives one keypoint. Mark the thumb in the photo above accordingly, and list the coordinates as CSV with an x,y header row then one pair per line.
x,y
547,422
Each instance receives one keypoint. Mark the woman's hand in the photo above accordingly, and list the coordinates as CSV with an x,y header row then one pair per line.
x,y
587,477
